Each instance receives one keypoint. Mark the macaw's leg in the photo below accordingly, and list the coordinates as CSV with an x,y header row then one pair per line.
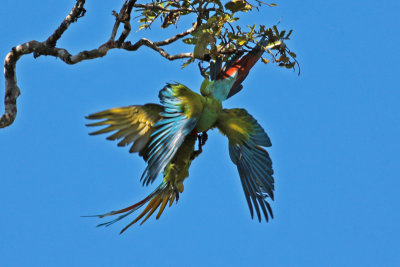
x,y
201,138
177,191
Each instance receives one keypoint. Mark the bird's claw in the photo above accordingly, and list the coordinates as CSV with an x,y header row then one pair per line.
x,y
176,191
203,137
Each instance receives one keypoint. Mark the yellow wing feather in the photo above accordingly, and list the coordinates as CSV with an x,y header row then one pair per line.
x,y
246,141
132,124
235,124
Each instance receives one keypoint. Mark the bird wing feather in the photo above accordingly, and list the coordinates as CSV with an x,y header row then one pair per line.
x,y
182,109
246,141
133,124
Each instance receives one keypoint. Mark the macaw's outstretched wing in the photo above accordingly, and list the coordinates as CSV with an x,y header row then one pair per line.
x,y
182,109
132,124
246,139
227,81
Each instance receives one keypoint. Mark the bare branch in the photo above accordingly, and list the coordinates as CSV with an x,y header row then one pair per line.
x,y
167,10
156,7
115,27
123,16
44,49
12,91
126,20
146,42
76,12
178,36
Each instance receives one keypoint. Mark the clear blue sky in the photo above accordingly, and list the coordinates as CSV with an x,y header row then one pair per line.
x,y
335,133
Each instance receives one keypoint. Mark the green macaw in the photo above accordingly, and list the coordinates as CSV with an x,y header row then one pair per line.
x,y
165,136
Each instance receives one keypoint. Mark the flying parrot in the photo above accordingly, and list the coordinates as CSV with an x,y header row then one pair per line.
x,y
165,136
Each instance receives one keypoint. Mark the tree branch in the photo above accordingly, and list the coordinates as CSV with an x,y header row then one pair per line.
x,y
146,42
76,12
178,36
125,18
11,88
156,7
49,48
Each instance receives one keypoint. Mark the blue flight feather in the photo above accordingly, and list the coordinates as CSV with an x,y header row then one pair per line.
x,y
169,134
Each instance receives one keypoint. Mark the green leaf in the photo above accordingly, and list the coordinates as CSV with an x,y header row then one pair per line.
x,y
202,42
185,64
242,40
250,34
218,2
290,65
233,19
189,41
143,26
237,5
275,30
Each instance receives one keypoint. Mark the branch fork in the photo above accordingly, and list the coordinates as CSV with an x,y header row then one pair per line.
x,y
48,48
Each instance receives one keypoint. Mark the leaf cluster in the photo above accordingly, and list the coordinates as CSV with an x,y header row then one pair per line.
x,y
217,31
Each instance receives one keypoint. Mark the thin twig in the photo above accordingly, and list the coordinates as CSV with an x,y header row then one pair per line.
x,y
156,7
125,18
178,36
167,10
146,42
76,12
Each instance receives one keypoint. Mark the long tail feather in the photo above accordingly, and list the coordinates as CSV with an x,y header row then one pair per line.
x,y
159,198
242,66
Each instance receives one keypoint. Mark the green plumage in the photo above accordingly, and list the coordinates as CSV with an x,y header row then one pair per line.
x,y
165,136
177,169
